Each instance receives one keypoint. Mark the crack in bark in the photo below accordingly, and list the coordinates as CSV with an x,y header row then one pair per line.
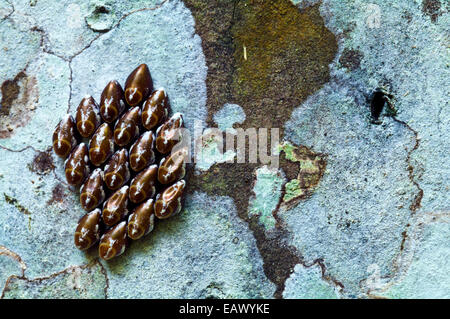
x,y
9,14
439,117
416,204
325,276
404,259
7,252
105,273
19,150
43,42
64,271
69,101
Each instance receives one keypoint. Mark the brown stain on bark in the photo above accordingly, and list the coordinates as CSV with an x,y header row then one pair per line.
x,y
58,194
432,8
42,163
10,92
19,99
287,56
351,59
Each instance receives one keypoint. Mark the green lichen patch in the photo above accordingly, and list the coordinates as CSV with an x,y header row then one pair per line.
x,y
311,169
267,192
293,190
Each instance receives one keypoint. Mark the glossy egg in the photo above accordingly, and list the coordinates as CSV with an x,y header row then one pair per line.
x,y
112,102
87,232
76,166
141,152
113,242
101,145
142,186
92,193
116,171
116,207
138,85
87,117
168,202
155,109
141,220
64,139
127,127
168,134
173,167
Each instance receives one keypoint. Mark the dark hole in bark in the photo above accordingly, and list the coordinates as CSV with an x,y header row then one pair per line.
x,y
101,9
377,104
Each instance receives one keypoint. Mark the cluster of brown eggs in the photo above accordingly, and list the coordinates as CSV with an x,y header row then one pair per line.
x,y
103,142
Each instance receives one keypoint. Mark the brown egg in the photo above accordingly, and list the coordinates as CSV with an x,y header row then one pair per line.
x,y
168,134
116,207
155,109
141,153
173,167
87,232
127,127
116,172
64,137
138,85
168,202
87,117
112,102
76,166
141,221
101,145
92,193
143,185
113,242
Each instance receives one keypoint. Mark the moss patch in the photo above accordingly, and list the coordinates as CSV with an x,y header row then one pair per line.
x,y
287,57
